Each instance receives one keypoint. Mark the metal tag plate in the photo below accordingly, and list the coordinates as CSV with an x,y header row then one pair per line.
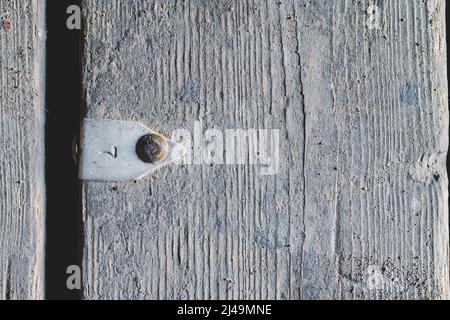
x,y
108,151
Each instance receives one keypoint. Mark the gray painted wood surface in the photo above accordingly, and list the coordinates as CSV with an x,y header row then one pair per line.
x,y
21,149
358,208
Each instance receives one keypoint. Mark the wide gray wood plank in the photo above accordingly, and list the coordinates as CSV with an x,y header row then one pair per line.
x,y
22,197
358,208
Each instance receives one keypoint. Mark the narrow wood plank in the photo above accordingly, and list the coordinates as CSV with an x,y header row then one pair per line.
x,y
22,79
357,209
390,102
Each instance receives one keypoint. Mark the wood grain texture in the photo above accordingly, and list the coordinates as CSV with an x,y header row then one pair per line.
x,y
22,190
358,208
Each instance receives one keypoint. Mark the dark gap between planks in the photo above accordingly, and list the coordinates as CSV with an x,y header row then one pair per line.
x,y
63,101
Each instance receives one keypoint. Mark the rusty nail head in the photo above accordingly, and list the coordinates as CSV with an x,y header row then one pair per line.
x,y
6,25
151,148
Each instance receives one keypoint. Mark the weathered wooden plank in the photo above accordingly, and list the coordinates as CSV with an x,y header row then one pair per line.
x,y
22,79
390,101
357,209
